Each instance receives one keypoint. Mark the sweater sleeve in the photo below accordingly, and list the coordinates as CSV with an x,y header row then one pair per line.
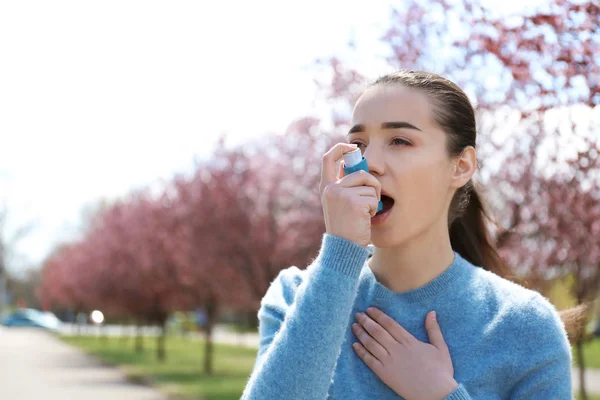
x,y
301,333
546,354
460,393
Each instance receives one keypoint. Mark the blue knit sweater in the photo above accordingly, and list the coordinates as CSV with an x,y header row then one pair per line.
x,y
505,341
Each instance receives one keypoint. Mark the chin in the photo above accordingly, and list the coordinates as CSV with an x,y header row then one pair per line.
x,y
392,233
384,240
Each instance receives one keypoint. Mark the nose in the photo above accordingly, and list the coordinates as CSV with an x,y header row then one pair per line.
x,y
374,156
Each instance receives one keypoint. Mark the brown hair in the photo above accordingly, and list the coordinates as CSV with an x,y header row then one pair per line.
x,y
467,216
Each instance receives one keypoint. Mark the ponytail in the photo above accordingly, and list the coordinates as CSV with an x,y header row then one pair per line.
x,y
471,238
469,234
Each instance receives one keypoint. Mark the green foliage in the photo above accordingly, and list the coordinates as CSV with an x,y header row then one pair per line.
x,y
181,375
242,329
560,293
591,354
181,323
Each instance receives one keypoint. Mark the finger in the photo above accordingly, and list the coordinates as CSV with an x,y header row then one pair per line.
x,y
363,197
366,191
434,332
341,171
395,330
361,178
370,204
374,347
372,362
376,331
329,169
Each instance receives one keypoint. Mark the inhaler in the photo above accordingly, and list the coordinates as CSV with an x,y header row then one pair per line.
x,y
354,161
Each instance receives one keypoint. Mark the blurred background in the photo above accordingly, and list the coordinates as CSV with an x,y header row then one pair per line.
x,y
159,165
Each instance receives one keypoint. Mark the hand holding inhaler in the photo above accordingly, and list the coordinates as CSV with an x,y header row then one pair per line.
x,y
349,201
354,161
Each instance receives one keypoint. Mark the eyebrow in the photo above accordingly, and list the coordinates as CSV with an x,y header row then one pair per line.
x,y
385,125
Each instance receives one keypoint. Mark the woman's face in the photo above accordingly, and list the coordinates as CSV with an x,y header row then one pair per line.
x,y
406,151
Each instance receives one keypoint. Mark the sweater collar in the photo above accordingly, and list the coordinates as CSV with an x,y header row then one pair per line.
x,y
427,291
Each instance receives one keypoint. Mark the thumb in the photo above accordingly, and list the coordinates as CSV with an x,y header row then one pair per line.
x,y
434,332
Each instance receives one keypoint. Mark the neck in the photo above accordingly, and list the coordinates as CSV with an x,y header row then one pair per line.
x,y
415,263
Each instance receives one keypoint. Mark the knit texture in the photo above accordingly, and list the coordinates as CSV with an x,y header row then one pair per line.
x,y
505,341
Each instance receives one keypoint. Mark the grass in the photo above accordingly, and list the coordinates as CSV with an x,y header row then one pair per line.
x,y
181,375
591,354
590,397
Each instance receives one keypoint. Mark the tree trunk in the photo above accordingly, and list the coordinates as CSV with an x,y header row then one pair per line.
x,y
124,335
211,314
103,333
3,288
251,319
139,340
208,351
160,341
579,349
78,324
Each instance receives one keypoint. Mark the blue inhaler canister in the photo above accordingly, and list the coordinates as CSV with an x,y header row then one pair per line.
x,y
354,161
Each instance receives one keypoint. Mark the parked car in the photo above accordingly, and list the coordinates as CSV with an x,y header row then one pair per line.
x,y
29,317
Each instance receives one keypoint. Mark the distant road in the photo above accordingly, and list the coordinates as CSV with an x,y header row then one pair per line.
x,y
35,365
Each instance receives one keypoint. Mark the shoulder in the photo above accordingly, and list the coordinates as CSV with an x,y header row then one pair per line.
x,y
539,325
524,316
539,347
504,290
275,303
282,290
501,295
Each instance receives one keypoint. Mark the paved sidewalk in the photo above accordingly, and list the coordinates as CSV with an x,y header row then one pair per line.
x,y
36,365
592,380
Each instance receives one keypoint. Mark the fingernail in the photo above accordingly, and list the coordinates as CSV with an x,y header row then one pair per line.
x,y
433,315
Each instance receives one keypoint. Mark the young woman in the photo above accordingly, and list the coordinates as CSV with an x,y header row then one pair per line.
x,y
425,313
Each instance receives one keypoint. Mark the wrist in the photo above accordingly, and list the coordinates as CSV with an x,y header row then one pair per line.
x,y
449,386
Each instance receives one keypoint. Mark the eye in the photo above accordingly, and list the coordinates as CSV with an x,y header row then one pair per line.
x,y
400,142
358,144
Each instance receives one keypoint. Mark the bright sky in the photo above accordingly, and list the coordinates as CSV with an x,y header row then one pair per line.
x,y
97,98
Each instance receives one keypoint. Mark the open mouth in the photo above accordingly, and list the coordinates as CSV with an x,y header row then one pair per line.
x,y
387,203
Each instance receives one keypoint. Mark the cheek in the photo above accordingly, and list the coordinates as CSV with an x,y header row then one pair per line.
x,y
425,185
420,203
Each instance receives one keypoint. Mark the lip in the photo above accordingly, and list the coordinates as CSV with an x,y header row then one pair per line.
x,y
384,193
381,217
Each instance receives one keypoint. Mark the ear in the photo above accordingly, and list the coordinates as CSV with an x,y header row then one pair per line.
x,y
464,167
